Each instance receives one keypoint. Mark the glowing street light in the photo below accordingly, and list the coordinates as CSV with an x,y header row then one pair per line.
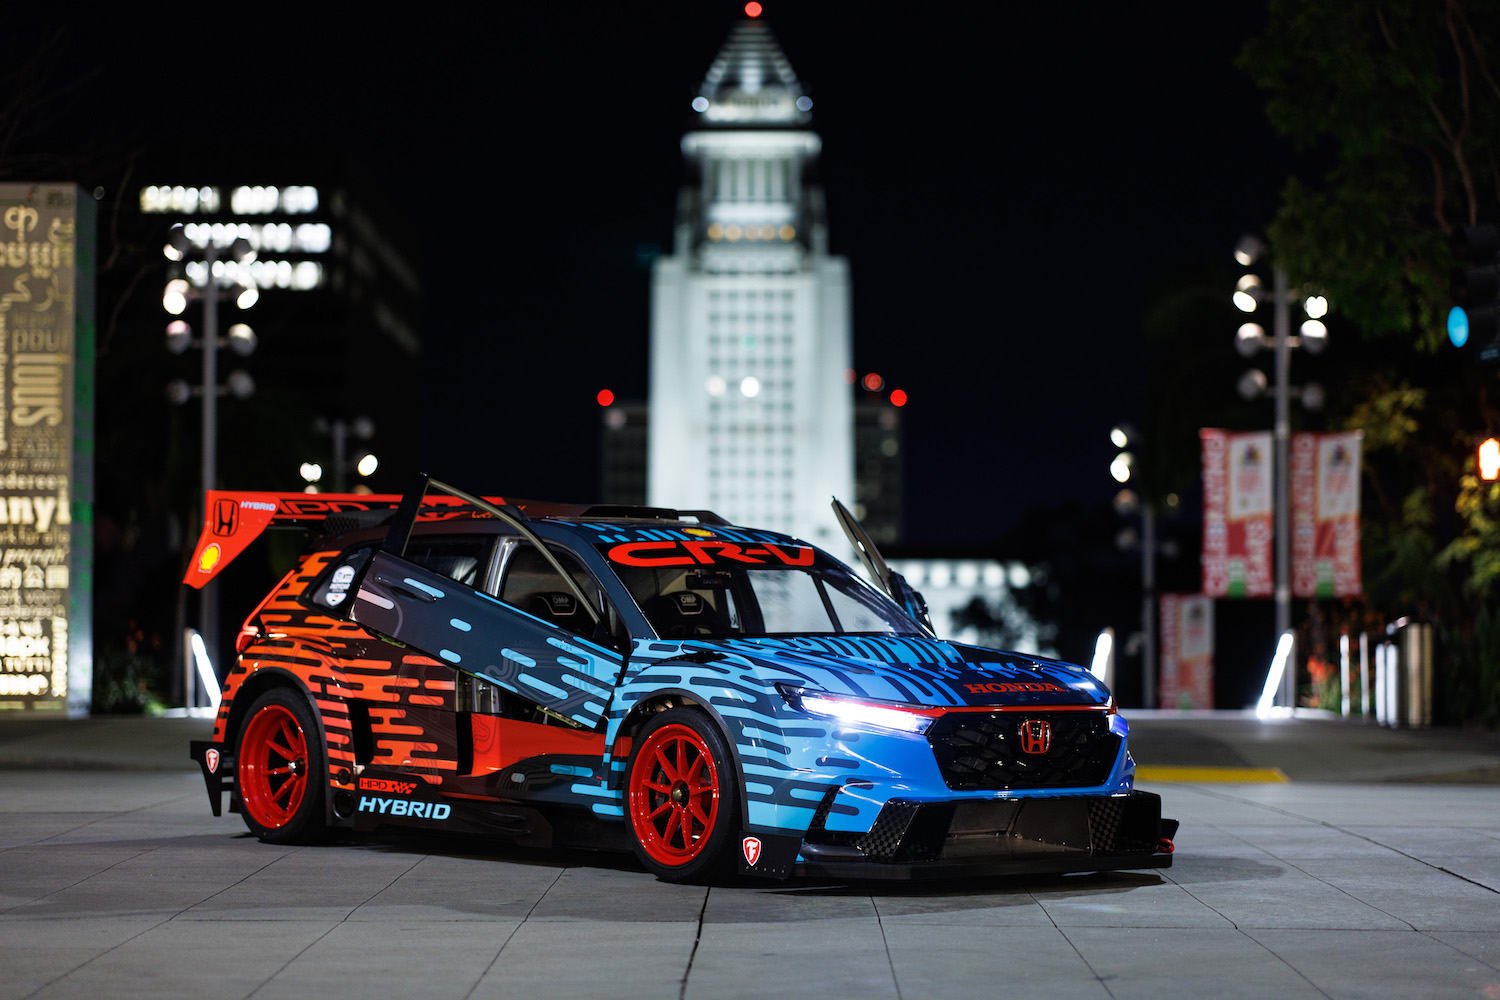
x,y
340,430
1250,338
179,292
1128,502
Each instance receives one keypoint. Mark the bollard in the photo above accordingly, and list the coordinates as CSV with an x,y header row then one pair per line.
x,y
1366,701
1416,674
1387,685
1344,675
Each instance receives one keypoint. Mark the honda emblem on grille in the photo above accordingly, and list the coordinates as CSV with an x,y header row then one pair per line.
x,y
1036,735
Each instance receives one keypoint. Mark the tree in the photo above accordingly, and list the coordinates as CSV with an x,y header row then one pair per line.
x,y
1399,105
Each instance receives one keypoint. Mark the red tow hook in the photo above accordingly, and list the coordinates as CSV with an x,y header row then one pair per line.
x,y
1165,846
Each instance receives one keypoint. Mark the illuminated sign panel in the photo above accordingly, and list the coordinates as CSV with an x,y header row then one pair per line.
x,y
46,447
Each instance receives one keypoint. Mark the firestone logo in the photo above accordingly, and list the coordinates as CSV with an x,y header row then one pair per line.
x,y
211,760
751,847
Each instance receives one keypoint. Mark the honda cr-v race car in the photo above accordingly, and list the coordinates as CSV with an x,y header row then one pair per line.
x,y
647,679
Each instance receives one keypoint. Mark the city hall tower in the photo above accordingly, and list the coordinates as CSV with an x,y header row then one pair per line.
x,y
750,412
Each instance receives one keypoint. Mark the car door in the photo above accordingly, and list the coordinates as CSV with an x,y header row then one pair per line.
x,y
887,579
523,651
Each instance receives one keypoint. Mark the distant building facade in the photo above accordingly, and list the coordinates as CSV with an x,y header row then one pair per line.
x,y
750,414
336,316
336,326
623,473
975,601
878,491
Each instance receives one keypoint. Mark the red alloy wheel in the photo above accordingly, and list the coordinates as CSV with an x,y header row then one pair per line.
x,y
674,795
273,766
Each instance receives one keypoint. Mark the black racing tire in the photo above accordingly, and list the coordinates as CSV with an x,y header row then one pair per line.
x,y
682,797
281,770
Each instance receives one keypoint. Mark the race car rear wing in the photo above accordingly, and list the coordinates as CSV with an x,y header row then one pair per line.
x,y
233,519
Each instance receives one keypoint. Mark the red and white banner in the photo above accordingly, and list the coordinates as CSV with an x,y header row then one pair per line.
x,y
1325,515
1237,503
1187,651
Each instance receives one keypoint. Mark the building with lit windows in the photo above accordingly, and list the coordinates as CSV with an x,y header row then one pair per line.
x,y
750,414
335,308
878,482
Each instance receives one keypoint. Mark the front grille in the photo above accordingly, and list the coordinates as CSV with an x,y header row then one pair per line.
x,y
979,751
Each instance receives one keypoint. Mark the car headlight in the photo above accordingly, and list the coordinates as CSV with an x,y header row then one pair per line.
x,y
849,711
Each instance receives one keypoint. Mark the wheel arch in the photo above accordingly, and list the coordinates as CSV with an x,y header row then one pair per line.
x,y
659,701
272,677
257,683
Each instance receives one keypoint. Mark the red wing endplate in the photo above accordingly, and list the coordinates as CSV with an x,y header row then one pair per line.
x,y
234,519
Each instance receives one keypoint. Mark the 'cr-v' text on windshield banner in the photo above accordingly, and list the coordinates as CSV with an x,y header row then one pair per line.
x,y
46,447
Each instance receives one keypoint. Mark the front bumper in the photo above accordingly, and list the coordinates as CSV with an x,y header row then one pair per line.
x,y
1055,834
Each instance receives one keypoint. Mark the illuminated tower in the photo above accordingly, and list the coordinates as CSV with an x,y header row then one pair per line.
x,y
750,340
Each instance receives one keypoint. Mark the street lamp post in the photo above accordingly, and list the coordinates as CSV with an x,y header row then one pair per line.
x,y
1281,325
179,337
1251,338
1126,502
340,431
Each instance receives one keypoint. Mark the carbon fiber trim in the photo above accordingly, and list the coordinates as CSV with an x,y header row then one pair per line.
x,y
1086,828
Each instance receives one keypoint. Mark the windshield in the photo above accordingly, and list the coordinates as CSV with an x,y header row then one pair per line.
x,y
709,590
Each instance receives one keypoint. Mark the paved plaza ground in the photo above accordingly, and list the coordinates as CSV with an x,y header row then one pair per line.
x,y
1374,871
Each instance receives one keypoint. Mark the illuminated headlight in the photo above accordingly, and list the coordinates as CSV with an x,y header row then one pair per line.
x,y
857,712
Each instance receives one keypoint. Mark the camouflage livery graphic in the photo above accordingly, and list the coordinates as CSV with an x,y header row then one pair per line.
x,y
706,695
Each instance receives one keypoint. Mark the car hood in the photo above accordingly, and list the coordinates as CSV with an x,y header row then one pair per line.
x,y
910,669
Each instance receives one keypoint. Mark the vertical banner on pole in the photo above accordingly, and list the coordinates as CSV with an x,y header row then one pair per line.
x,y
1187,651
1325,515
46,447
1237,507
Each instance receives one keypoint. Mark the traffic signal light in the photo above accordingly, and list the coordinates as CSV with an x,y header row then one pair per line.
x,y
1474,323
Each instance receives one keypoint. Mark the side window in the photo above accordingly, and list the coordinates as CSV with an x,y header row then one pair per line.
x,y
331,591
462,559
532,584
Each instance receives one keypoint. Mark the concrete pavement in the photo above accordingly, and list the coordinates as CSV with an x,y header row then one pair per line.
x,y
1353,879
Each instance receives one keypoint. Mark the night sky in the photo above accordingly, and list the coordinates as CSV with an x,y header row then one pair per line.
x,y
1011,184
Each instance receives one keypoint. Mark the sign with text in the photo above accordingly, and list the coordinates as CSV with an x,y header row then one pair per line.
x,y
46,447
1325,514
1237,505
1187,652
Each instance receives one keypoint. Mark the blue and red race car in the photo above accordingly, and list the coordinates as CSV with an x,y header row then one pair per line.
x,y
706,695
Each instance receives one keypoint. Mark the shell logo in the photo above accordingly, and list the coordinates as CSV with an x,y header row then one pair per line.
x,y
210,558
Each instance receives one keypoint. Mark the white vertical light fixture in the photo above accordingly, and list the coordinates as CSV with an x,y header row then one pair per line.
x,y
1267,705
